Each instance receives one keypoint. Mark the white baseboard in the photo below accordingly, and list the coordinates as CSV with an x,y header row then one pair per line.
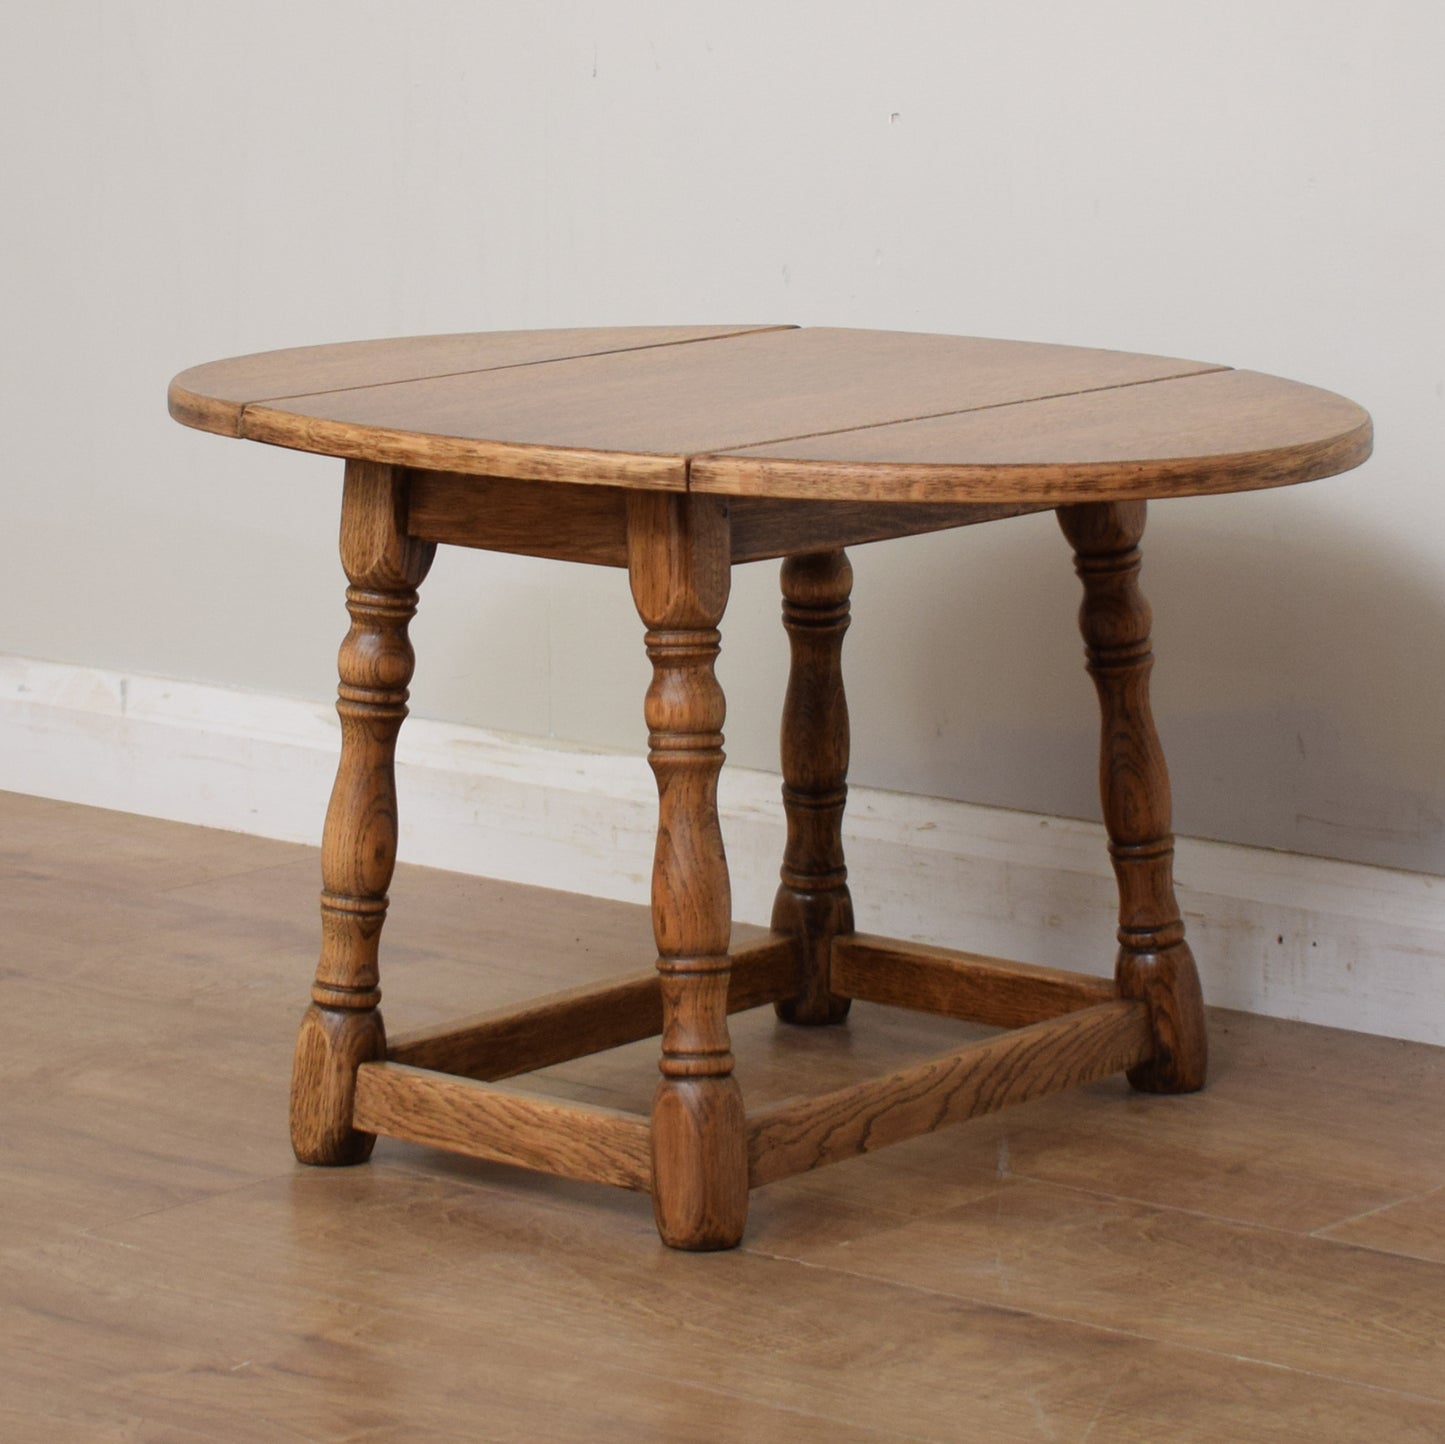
x,y
1275,933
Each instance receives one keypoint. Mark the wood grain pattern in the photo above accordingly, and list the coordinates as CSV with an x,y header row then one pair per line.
x,y
575,1140
618,417
1011,1068
768,527
1330,1312
1154,962
589,523
809,437
571,524
343,1027
1414,1228
680,574
583,1020
811,413
635,417
415,432
169,1273
812,900
213,396
1213,432
960,985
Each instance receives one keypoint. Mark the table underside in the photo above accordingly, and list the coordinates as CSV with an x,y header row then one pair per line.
x,y
590,523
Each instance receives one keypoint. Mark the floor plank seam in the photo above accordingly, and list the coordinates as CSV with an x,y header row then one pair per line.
x,y
1323,1231
1096,1327
507,1187
204,882
1156,1207
785,1409
96,1231
1101,1406
171,1270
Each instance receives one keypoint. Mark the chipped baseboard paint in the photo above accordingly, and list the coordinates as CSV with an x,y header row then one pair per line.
x,y
1276,933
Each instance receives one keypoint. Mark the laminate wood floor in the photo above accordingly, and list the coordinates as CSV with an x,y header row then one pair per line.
x,y
1263,1261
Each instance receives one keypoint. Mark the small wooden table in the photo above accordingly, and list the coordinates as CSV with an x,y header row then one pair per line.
x,y
677,452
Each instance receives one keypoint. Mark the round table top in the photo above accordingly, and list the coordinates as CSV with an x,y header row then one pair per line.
x,y
784,411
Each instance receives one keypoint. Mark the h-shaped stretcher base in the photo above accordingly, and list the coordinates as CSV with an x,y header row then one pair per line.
x,y
701,1151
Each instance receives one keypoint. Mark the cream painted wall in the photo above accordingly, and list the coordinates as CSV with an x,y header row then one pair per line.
x,y
1254,182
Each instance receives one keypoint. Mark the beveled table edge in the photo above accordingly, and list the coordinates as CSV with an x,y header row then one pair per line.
x,y
1050,484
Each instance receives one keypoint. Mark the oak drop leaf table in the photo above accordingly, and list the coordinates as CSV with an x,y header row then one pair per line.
x,y
675,453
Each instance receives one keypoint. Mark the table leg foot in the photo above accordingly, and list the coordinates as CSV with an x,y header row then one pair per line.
x,y
1168,982
812,901
343,1029
330,1047
1154,963
699,1164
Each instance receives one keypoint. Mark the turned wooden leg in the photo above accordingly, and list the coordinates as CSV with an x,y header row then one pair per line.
x,y
813,902
1154,962
680,571
342,1028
